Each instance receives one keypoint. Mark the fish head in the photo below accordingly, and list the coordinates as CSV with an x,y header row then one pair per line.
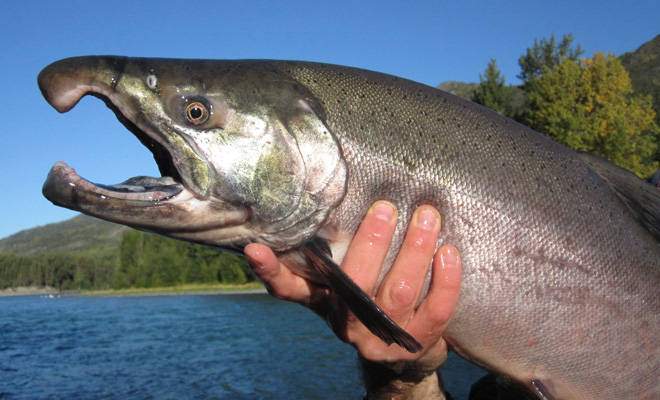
x,y
244,151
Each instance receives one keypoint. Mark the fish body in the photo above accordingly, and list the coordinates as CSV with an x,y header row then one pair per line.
x,y
560,249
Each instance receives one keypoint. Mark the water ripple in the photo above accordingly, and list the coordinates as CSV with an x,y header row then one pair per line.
x,y
170,347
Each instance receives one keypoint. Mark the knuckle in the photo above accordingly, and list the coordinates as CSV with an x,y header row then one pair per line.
x,y
402,294
423,241
379,238
351,318
438,316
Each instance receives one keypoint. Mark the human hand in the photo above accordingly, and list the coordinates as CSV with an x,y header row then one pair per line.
x,y
397,296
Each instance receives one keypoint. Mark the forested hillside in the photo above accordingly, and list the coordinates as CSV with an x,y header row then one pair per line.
x,y
643,66
78,234
148,260
87,253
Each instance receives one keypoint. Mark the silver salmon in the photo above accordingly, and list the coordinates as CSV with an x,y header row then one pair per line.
x,y
560,249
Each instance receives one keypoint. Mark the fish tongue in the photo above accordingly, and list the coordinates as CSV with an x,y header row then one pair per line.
x,y
146,184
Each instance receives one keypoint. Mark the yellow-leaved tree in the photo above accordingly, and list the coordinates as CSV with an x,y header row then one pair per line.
x,y
589,105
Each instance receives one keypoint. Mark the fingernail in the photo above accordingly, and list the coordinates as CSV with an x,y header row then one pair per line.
x,y
449,257
384,210
427,220
254,264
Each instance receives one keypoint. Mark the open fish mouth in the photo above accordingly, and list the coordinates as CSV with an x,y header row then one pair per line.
x,y
63,84
139,188
161,204
64,186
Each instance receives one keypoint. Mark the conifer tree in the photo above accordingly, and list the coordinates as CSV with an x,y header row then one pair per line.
x,y
546,54
491,91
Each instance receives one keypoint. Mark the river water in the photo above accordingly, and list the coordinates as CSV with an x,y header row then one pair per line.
x,y
229,346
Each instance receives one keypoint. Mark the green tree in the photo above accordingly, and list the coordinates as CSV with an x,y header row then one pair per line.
x,y
491,91
589,106
148,260
546,55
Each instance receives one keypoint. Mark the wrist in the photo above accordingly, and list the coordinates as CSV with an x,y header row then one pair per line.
x,y
400,381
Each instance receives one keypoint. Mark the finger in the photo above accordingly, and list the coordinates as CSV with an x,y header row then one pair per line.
x,y
279,280
369,247
416,253
434,313
429,320
403,284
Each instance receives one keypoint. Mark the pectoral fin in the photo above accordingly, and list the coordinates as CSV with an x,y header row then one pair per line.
x,y
356,299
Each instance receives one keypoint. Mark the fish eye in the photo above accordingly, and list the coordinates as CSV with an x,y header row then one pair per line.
x,y
196,113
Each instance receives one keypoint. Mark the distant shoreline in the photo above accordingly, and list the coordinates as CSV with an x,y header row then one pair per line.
x,y
27,291
249,288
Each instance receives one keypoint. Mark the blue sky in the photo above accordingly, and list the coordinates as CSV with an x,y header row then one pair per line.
x,y
427,41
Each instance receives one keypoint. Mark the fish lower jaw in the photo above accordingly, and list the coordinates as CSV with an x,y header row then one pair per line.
x,y
160,205
63,183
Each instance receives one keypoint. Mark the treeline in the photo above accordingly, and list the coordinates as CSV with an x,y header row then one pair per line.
x,y
148,260
587,104
63,271
142,260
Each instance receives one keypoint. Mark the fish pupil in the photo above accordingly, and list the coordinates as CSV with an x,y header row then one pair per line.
x,y
196,113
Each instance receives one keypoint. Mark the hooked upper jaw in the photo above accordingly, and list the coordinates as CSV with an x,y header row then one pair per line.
x,y
65,82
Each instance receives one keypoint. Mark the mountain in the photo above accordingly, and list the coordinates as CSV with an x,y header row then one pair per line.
x,y
643,66
79,234
460,89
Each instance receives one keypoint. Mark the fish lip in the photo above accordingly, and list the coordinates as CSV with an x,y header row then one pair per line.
x,y
172,209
